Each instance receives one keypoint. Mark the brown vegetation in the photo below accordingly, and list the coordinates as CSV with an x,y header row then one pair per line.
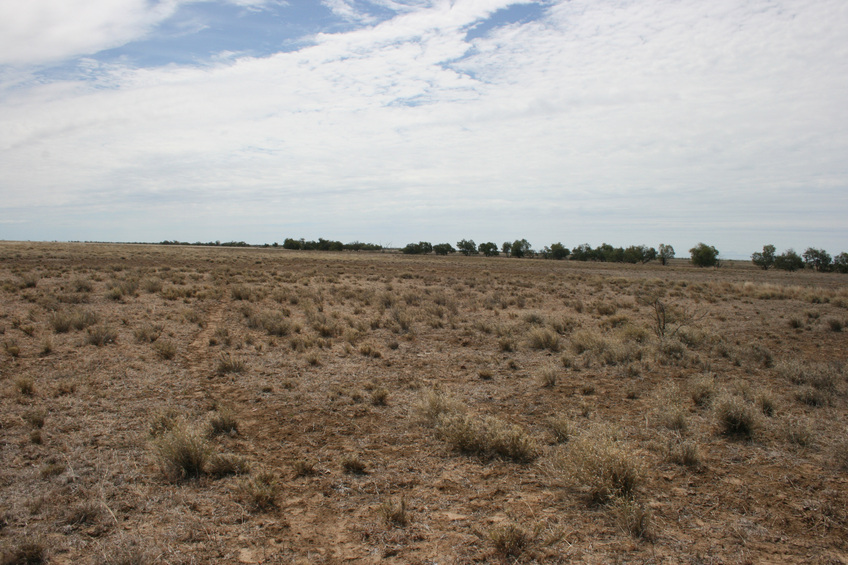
x,y
222,405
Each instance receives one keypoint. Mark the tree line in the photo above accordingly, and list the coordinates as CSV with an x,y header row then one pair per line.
x,y
816,259
556,251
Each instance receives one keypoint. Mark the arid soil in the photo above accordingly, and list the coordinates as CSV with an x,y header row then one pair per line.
x,y
216,405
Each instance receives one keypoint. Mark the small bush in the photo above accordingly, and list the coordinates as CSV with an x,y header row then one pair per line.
x,y
547,377
561,427
606,467
260,492
12,349
165,349
822,376
304,468
544,338
379,396
226,464
395,513
510,540
736,417
835,324
182,453
486,436
228,364
702,390
148,333
35,418
811,396
798,432
26,551
101,335
767,403
25,386
684,453
163,421
223,422
634,518
241,292
434,404
353,465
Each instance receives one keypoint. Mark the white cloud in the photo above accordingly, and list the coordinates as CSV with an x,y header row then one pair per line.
x,y
39,31
48,31
605,120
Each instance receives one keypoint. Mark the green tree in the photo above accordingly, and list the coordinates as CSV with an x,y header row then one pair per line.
x,y
489,249
520,248
443,248
582,252
558,251
666,253
788,261
840,263
704,255
467,247
288,243
506,247
818,259
764,260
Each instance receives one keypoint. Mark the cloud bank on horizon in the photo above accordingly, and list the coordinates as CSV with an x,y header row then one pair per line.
x,y
392,121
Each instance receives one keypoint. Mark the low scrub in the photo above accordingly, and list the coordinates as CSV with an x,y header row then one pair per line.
x,y
66,320
606,467
260,491
182,452
543,338
469,433
736,416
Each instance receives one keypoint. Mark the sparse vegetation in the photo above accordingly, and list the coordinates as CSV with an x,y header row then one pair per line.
x,y
533,404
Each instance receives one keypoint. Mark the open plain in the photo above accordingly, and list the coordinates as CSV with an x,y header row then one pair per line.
x,y
172,404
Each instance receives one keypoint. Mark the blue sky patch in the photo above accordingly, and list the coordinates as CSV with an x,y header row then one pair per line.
x,y
512,14
198,32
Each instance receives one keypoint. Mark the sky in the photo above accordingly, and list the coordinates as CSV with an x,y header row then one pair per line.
x,y
394,121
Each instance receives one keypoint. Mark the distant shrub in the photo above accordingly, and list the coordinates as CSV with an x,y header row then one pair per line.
x,y
788,261
148,333
704,255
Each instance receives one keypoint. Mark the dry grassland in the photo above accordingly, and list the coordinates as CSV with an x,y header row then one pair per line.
x,y
209,405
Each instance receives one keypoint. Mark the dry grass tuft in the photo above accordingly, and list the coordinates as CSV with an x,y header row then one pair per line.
x,y
395,514
510,540
543,338
353,465
223,422
260,491
226,464
182,453
25,551
229,364
736,416
634,518
486,436
605,467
